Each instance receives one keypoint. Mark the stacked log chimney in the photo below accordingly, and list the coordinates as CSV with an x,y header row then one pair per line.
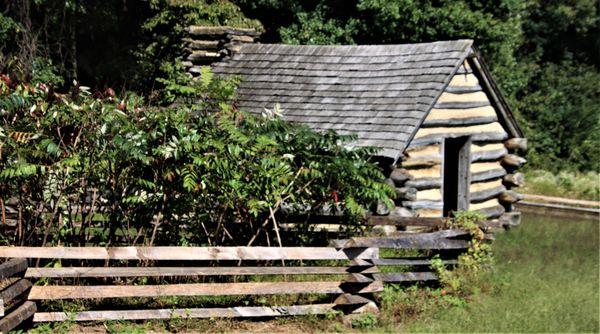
x,y
206,45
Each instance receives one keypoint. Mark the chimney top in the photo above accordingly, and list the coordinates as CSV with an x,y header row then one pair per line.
x,y
209,44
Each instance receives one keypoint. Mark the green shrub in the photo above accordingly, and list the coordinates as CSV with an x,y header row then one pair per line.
x,y
196,172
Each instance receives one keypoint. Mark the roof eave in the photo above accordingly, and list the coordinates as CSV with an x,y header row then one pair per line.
x,y
497,99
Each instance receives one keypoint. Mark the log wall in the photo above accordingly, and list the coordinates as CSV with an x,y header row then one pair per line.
x,y
463,109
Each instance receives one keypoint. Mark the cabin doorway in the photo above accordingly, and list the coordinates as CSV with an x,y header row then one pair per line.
x,y
457,174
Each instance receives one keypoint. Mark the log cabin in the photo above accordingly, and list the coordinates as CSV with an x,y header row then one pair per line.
x,y
447,139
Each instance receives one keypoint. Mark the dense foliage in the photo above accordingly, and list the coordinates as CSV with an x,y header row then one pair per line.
x,y
531,46
544,54
196,172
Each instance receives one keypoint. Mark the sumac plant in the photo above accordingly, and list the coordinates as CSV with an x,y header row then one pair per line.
x,y
86,168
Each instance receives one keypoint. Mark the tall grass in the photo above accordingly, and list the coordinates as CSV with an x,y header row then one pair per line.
x,y
564,184
545,280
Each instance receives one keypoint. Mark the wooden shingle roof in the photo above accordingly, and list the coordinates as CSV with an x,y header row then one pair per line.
x,y
381,93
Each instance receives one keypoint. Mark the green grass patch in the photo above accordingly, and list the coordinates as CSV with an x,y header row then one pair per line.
x,y
545,280
564,184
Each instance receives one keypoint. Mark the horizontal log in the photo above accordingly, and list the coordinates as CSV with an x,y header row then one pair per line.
x,y
188,313
17,317
510,196
5,283
466,121
434,240
423,204
187,253
563,201
488,175
406,277
52,292
463,89
514,180
8,296
486,194
558,210
491,155
357,278
79,272
350,299
514,161
463,97
425,183
432,139
516,144
198,55
205,31
12,267
417,221
408,262
406,193
400,175
201,44
492,212
422,161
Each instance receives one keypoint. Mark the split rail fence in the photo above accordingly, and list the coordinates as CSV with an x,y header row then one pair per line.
x,y
344,277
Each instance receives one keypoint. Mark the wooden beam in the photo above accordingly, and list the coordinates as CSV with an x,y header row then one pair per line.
x,y
488,175
195,289
350,299
485,194
78,272
406,277
492,212
516,144
5,283
425,183
510,196
17,317
187,253
12,268
409,262
190,313
400,175
488,155
514,180
435,240
466,121
514,161
406,193
476,136
8,296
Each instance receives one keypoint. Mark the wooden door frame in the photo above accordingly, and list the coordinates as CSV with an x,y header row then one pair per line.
x,y
463,173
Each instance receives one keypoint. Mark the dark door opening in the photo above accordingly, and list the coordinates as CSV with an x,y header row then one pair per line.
x,y
457,174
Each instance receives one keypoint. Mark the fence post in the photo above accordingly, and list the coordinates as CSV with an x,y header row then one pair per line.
x,y
359,286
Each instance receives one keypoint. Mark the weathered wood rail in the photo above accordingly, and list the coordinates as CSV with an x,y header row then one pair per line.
x,y
560,207
14,307
337,279
343,277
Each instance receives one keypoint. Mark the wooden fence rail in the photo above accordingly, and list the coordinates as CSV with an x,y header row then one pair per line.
x,y
14,307
346,281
